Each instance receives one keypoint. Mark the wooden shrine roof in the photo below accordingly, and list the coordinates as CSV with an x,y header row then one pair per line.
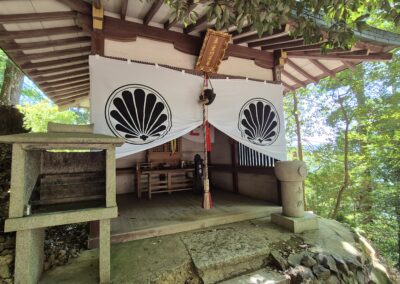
x,y
51,39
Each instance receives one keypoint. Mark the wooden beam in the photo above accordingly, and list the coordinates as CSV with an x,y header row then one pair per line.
x,y
37,72
293,78
153,10
35,17
41,79
65,87
78,5
347,57
50,63
117,29
12,47
301,70
45,55
8,35
124,8
293,43
64,82
322,67
199,25
269,41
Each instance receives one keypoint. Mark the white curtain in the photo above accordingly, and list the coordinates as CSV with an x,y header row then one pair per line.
x,y
251,113
148,105
144,104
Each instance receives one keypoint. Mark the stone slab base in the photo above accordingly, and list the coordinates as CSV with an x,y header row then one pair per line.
x,y
296,225
260,276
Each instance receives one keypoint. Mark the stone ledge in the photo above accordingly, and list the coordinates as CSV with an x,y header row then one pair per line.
x,y
59,218
296,225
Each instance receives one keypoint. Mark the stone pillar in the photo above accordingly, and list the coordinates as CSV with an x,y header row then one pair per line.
x,y
104,252
291,174
29,256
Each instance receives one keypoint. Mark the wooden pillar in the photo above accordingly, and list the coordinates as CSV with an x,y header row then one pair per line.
x,y
279,62
234,164
97,33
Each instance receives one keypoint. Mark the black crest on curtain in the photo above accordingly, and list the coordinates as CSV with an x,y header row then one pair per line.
x,y
138,113
259,122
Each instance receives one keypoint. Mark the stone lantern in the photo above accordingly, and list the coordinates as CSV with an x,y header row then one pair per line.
x,y
291,175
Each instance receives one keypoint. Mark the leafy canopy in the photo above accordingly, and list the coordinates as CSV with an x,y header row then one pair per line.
x,y
264,16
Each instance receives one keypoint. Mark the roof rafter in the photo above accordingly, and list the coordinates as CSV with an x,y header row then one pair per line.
x,y
78,5
6,35
66,100
293,43
169,24
34,17
199,25
37,72
293,78
275,40
65,87
322,67
42,79
345,57
124,8
66,92
45,55
65,81
12,47
301,70
255,37
84,90
50,63
153,10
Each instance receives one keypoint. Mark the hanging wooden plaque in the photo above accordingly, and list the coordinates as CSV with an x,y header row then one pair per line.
x,y
212,52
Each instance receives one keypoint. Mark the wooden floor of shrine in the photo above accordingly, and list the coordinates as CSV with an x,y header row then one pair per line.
x,y
179,212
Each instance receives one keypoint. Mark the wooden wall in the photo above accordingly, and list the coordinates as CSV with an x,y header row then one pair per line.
x,y
256,182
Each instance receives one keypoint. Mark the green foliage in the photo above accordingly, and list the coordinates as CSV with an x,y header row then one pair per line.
x,y
371,96
338,18
37,116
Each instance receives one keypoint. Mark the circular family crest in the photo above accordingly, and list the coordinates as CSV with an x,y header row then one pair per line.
x,y
138,113
259,122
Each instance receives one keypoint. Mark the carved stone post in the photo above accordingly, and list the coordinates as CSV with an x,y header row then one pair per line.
x,y
291,174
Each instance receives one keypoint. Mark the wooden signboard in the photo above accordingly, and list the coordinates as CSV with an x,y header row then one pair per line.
x,y
213,51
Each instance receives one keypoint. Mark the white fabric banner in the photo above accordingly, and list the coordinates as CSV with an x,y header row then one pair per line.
x,y
251,113
149,105
145,105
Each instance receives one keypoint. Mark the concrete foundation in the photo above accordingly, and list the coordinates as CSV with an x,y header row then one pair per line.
x,y
296,224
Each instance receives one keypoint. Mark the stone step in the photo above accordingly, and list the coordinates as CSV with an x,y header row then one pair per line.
x,y
225,253
262,276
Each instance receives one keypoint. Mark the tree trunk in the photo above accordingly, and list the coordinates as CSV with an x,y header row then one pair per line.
x,y
367,184
299,141
346,178
12,84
